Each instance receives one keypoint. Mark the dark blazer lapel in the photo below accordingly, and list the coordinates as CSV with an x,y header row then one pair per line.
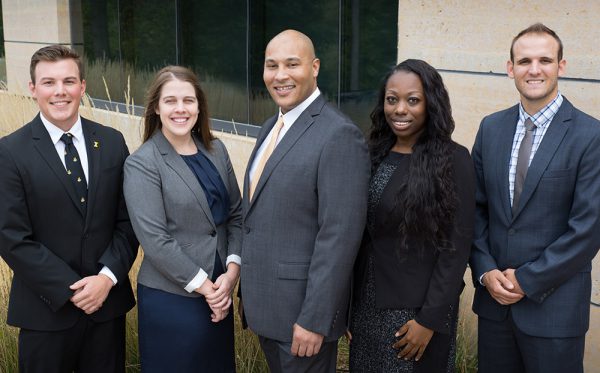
x,y
304,121
43,144
174,160
552,138
94,155
506,134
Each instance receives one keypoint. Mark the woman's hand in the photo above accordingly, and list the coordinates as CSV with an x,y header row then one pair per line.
x,y
207,289
414,338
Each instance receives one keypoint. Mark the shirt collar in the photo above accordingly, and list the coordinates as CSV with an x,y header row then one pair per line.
x,y
56,133
291,116
543,117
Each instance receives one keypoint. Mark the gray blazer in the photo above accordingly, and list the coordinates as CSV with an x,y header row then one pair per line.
x,y
303,228
554,234
171,216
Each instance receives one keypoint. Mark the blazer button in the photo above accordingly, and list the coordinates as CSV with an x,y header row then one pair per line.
x,y
511,231
247,230
213,233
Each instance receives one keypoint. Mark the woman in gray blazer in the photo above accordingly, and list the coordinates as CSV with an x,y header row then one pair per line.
x,y
184,204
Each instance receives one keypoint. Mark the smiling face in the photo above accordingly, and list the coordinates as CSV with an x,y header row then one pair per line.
x,y
405,109
58,91
535,69
291,69
178,110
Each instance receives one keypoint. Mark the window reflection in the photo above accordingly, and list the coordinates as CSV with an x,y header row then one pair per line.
x,y
223,41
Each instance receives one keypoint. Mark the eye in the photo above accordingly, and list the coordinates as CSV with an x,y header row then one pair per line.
x,y
293,64
271,66
190,100
168,101
413,101
391,100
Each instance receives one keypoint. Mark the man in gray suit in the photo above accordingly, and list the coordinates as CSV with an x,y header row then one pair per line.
x,y
304,209
538,218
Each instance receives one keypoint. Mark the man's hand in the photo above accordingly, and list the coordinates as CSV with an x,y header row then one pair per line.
x,y
501,288
509,273
91,292
415,338
305,342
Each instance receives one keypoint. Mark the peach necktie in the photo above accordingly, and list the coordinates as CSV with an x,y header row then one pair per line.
x,y
265,156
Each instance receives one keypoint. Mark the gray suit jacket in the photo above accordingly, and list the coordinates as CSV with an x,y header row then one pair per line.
x,y
555,233
171,216
303,227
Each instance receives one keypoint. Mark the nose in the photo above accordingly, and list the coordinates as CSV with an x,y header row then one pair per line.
x,y
281,74
59,89
401,107
180,106
534,68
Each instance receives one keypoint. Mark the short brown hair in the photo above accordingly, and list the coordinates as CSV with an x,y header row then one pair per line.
x,y
53,53
152,121
538,28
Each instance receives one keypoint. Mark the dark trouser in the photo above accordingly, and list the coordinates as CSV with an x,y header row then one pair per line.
x,y
504,348
280,358
87,347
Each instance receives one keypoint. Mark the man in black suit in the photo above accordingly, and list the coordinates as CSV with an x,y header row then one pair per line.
x,y
64,228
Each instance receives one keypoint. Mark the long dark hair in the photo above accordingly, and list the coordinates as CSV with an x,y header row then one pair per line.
x,y
152,121
426,202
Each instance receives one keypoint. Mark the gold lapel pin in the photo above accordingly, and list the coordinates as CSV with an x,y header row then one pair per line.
x,y
96,144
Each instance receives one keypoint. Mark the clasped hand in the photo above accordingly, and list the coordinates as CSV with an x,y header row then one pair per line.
x,y
90,292
503,286
218,295
413,341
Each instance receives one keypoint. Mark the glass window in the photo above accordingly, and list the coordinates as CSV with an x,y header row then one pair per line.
x,y
125,43
213,44
223,41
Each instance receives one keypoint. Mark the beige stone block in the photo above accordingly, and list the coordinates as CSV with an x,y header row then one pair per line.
x,y
36,21
18,58
475,35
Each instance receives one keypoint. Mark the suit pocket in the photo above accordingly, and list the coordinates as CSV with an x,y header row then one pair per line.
x,y
556,174
292,271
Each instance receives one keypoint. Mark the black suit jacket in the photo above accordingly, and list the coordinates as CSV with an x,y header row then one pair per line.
x,y
44,237
428,280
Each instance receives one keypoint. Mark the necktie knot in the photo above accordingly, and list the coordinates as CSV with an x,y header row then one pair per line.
x,y
67,138
529,125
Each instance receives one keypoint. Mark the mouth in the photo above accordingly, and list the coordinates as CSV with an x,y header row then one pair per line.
x,y
401,124
61,103
180,120
284,89
535,81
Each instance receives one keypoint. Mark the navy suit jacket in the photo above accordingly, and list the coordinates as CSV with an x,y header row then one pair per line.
x,y
555,232
44,236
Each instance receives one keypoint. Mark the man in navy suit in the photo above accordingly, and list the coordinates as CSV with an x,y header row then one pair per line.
x,y
64,228
538,218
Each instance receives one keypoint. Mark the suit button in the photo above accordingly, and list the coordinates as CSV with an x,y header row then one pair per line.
x,y
213,233
247,230
511,231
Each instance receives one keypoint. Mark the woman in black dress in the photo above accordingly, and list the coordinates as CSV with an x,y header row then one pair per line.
x,y
409,272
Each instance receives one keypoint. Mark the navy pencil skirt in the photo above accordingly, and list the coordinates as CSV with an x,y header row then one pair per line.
x,y
177,335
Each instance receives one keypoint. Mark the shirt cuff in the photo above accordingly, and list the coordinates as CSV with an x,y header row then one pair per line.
x,y
107,272
233,259
197,281
481,279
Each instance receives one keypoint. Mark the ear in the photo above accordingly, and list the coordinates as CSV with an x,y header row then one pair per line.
x,y
562,67
32,89
509,69
316,64
83,87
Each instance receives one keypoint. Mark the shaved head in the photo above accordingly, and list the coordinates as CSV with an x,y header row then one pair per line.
x,y
297,38
291,69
